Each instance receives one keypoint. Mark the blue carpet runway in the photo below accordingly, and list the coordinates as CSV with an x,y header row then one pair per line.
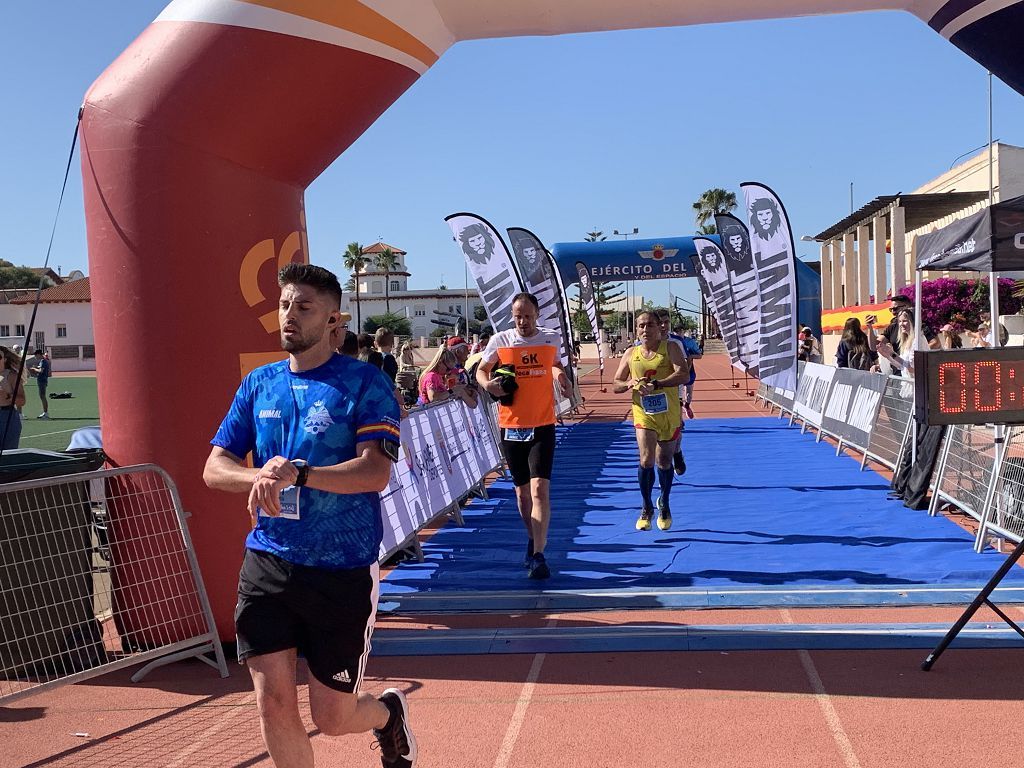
x,y
763,516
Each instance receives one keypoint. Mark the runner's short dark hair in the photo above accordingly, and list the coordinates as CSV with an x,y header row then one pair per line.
x,y
318,278
526,296
662,313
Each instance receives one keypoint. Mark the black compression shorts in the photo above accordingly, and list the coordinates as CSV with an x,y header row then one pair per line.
x,y
327,614
530,458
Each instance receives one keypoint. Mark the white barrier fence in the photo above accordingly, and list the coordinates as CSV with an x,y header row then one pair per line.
x,y
873,414
447,450
97,572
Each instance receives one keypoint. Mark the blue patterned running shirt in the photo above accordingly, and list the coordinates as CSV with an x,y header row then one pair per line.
x,y
317,415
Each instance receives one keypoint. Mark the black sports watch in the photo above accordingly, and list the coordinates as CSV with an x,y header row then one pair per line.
x,y
303,469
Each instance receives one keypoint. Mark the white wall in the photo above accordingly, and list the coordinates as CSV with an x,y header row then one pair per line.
x,y
77,319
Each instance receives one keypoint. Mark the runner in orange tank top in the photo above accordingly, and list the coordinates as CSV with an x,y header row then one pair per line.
x,y
520,368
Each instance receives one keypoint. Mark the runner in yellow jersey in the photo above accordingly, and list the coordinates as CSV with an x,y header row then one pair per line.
x,y
654,369
528,356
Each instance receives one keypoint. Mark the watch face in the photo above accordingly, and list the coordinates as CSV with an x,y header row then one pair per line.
x,y
390,449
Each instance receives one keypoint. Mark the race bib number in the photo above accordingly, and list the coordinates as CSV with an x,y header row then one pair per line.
x,y
519,435
654,404
289,504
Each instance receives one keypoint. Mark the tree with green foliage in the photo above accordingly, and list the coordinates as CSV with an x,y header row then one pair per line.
x,y
397,324
710,202
386,261
355,262
19,277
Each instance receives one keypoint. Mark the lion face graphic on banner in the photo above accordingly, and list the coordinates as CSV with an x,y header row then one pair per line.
x,y
709,257
765,218
736,247
477,243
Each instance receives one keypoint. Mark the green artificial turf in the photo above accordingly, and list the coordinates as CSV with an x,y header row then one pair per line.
x,y
66,416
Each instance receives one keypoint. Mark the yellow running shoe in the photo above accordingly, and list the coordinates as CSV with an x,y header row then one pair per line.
x,y
664,516
643,523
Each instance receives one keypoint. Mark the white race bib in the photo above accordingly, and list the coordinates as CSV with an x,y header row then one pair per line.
x,y
654,404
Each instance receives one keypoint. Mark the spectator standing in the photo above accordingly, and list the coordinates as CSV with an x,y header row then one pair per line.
x,y
384,341
433,386
809,347
12,399
897,304
40,368
406,356
855,347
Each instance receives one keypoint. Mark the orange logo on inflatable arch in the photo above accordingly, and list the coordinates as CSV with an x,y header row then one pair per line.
x,y
259,255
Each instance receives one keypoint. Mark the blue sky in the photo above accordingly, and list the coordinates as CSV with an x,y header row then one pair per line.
x,y
560,135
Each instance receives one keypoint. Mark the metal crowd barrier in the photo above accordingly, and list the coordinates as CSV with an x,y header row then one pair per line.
x,y
874,414
1003,515
964,470
447,451
892,427
97,572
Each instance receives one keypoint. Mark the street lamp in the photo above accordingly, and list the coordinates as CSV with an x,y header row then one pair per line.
x,y
629,309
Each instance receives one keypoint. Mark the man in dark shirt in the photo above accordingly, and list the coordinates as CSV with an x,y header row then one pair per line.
x,y
892,332
384,341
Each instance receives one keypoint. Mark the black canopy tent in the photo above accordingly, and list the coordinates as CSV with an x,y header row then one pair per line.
x,y
991,240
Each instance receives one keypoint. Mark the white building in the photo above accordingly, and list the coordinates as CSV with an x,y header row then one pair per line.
x,y
379,290
63,323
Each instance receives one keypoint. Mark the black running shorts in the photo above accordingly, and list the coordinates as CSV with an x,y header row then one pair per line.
x,y
327,614
530,458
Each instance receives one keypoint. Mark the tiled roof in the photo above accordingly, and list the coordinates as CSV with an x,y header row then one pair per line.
x,y
8,295
76,290
380,246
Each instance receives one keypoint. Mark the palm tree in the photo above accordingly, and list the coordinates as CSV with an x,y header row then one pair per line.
x,y
355,262
386,261
710,202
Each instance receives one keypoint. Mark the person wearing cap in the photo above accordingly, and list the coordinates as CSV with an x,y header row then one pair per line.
x,y
339,329
458,380
809,348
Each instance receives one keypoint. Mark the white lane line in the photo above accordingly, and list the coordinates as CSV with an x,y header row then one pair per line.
x,y
47,434
825,703
508,744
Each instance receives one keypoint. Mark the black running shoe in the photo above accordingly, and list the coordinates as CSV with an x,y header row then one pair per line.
x,y
539,567
679,462
528,560
397,744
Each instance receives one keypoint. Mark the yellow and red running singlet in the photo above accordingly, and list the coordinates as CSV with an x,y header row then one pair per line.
x,y
534,358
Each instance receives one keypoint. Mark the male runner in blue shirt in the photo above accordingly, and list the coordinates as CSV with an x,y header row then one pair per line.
x,y
323,431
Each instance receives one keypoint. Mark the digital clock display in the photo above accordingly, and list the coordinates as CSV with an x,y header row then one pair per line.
x,y
970,386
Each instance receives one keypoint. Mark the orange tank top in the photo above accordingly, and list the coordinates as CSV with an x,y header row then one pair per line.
x,y
533,404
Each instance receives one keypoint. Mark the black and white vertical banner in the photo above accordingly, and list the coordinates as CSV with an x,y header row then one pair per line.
x,y
492,266
539,279
587,300
739,267
771,240
714,282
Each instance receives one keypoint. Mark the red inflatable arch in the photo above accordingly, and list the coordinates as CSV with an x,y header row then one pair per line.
x,y
199,141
